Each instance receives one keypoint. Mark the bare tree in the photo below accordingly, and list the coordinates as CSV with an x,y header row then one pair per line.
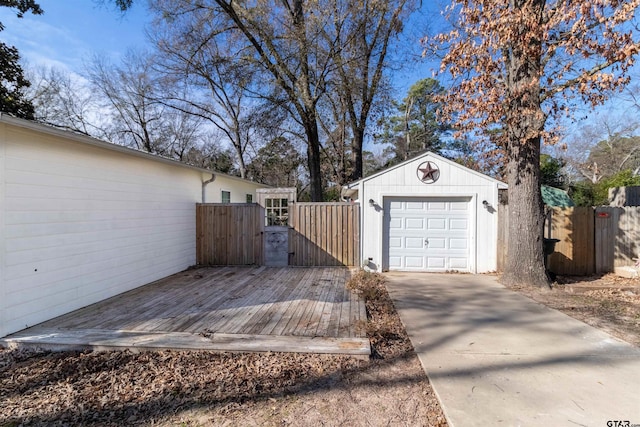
x,y
128,91
63,100
603,148
364,31
132,93
209,80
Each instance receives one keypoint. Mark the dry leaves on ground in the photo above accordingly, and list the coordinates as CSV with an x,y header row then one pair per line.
x,y
202,388
608,302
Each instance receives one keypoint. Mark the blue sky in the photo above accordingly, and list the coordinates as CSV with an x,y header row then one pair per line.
x,y
71,31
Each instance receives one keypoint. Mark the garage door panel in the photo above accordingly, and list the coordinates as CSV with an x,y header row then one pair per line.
x,y
444,223
437,243
396,205
458,224
414,243
459,206
458,263
413,206
436,206
395,242
414,262
436,262
459,243
395,263
415,223
395,224
437,224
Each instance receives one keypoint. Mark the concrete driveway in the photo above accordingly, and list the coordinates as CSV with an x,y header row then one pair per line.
x,y
497,358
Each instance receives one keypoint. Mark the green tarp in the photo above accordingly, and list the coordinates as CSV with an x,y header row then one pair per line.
x,y
556,197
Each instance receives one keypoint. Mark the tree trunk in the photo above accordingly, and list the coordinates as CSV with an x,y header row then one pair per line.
x,y
356,153
313,160
524,124
525,258
237,145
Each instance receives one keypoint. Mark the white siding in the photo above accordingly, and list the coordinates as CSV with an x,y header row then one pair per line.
x,y
454,181
3,257
82,223
238,189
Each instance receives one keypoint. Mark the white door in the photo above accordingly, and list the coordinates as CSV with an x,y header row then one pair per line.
x,y
428,234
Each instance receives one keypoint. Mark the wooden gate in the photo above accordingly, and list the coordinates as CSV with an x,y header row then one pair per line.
x,y
229,234
324,234
319,234
617,237
573,227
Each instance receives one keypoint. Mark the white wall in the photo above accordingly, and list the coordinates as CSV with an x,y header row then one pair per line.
x,y
82,223
454,181
237,187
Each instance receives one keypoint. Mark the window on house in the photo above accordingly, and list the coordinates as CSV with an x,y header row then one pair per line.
x,y
277,211
226,196
249,198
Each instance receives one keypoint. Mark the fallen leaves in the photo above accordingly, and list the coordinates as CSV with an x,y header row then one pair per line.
x,y
203,388
608,302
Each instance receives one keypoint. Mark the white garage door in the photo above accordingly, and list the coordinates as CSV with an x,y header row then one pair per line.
x,y
428,234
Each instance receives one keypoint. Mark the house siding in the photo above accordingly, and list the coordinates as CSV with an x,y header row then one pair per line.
x,y
238,189
454,181
82,223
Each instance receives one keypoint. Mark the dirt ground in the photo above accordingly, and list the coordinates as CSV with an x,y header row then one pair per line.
x,y
200,388
172,388
608,302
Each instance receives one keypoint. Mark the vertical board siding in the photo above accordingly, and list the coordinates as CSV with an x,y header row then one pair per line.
x,y
574,253
591,240
627,240
324,234
503,233
617,237
229,234
606,224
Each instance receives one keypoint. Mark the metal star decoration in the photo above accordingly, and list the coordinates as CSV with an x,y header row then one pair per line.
x,y
430,172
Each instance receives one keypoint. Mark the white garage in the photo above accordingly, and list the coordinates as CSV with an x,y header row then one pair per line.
x,y
428,214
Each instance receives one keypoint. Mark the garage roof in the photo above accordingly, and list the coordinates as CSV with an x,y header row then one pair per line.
x,y
501,185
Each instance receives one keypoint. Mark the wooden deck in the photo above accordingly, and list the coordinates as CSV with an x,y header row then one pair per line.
x,y
306,310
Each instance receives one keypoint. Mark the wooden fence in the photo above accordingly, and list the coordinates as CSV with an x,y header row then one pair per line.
x,y
324,234
574,253
590,240
617,237
320,234
229,234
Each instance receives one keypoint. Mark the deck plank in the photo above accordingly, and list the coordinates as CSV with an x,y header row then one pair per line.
x,y
101,340
159,301
299,323
312,321
324,320
159,317
293,292
345,313
209,300
217,308
255,305
268,310
300,292
223,310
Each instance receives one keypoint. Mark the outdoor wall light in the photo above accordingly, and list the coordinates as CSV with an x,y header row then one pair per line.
x,y
371,202
487,205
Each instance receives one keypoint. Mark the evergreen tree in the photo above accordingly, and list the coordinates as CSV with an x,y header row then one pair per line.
x,y
12,80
